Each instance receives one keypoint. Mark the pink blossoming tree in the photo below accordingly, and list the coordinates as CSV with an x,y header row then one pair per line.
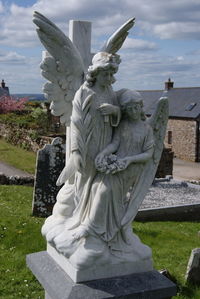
x,y
11,104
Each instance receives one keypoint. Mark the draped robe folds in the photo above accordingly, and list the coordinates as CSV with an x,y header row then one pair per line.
x,y
108,201
86,184
99,200
74,201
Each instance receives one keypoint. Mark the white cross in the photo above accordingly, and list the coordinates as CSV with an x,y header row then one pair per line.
x,y
80,35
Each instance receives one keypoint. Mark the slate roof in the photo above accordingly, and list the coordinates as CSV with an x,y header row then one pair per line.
x,y
180,100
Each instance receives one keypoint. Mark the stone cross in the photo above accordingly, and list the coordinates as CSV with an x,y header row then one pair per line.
x,y
80,35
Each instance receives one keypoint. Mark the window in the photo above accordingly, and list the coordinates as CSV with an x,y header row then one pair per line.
x,y
190,106
169,137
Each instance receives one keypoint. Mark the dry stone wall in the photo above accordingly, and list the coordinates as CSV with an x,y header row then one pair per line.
x,y
27,139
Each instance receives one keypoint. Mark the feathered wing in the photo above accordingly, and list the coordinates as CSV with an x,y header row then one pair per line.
x,y
158,122
114,43
63,68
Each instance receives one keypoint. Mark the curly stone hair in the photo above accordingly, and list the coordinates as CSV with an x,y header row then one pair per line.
x,y
102,61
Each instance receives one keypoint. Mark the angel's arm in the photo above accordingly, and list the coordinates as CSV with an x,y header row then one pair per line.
x,y
140,158
112,110
146,153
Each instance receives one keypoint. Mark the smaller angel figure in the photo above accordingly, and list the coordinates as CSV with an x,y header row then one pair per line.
x,y
132,137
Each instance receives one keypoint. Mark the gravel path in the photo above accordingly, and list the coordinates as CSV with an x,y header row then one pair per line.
x,y
166,194
11,171
161,194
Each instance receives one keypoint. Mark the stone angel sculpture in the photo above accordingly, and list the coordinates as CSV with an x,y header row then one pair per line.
x,y
114,154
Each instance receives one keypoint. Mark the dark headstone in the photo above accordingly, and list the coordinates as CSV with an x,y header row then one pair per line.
x,y
58,285
193,268
50,162
165,166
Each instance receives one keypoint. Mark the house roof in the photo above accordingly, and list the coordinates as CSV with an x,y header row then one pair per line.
x,y
183,102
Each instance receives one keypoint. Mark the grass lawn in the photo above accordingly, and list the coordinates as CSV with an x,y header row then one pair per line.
x,y
171,243
19,235
17,157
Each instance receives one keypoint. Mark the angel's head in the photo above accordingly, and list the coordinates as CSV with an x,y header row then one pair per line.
x,y
132,105
104,66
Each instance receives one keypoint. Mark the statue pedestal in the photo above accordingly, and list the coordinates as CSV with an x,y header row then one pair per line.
x,y
58,285
96,271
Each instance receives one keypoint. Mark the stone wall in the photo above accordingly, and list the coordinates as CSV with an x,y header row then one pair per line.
x,y
183,138
28,139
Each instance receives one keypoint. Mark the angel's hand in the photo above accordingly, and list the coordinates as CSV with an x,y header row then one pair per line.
x,y
121,165
99,159
78,161
108,109
62,178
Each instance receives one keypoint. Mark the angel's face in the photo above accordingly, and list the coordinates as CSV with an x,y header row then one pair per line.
x,y
105,78
134,110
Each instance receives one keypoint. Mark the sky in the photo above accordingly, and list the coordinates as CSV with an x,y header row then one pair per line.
x,y
165,41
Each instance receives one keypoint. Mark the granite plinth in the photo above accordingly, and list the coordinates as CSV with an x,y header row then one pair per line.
x,y
58,285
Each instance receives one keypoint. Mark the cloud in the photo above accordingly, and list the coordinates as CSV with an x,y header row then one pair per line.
x,y
139,45
144,63
1,7
177,30
167,20
139,70
12,58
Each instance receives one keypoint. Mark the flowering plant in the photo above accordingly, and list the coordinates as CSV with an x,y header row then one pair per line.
x,y
11,104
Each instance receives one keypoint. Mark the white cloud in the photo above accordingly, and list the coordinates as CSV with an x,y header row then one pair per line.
x,y
143,62
149,70
1,7
177,30
164,19
11,58
139,44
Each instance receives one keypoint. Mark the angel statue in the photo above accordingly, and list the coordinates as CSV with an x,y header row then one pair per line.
x,y
114,152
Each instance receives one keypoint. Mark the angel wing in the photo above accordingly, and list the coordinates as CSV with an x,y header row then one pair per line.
x,y
63,68
158,122
114,43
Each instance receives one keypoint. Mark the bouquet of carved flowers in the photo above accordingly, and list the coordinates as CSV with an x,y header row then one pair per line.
x,y
110,164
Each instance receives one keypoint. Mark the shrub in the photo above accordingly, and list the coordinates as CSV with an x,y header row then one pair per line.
x,y
10,104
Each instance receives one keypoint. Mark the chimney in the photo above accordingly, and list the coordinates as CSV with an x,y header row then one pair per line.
x,y
169,84
3,85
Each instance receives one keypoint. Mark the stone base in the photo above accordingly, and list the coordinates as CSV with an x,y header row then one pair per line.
x,y
99,271
58,285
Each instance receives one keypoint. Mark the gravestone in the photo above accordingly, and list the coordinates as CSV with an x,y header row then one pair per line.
x,y
49,164
193,267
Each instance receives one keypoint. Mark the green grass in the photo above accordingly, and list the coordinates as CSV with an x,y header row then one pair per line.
x,y
17,157
171,243
19,236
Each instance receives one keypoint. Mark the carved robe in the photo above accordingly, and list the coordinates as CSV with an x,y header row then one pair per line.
x,y
109,198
